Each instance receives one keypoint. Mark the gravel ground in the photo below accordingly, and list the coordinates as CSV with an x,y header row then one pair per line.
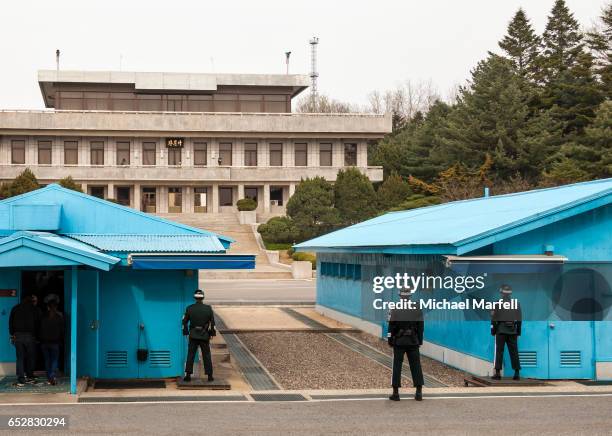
x,y
314,361
447,375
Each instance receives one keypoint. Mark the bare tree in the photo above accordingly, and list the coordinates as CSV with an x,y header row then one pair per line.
x,y
324,104
405,100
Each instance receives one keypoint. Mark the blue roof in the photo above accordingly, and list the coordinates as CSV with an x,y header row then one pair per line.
x,y
468,223
152,243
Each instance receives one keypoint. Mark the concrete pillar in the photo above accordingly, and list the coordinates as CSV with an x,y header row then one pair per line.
x,y
337,154
214,198
266,195
313,154
162,199
291,189
136,201
240,191
84,188
213,154
110,191
362,154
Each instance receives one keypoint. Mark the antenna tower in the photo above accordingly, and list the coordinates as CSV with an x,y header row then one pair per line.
x,y
314,75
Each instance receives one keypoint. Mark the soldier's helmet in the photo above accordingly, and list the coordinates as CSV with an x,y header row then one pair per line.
x,y
505,290
198,294
405,292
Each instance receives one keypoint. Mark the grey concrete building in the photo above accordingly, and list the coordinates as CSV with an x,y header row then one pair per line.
x,y
171,142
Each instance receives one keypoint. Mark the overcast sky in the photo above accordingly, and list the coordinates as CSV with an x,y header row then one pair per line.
x,y
364,45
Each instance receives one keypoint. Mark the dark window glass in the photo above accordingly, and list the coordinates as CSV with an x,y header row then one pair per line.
x,y
276,155
149,102
301,155
199,153
149,203
325,155
250,193
123,195
97,191
18,151
148,153
276,195
225,154
44,152
123,153
71,153
174,156
225,197
97,153
250,154
350,155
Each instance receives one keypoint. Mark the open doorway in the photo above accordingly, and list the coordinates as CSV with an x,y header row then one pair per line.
x,y
41,284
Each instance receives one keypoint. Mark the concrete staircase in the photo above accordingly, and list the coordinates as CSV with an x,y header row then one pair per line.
x,y
227,224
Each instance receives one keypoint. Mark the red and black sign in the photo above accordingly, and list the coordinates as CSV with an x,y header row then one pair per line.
x,y
8,292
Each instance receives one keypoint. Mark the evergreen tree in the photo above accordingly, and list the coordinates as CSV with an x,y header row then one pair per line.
x,y
521,45
600,43
354,196
69,183
24,182
311,208
392,192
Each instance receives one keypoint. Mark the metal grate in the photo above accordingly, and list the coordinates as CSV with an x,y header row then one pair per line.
x,y
160,358
255,374
116,359
528,359
278,397
571,358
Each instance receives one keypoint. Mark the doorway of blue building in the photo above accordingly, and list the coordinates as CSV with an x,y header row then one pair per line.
x,y
41,284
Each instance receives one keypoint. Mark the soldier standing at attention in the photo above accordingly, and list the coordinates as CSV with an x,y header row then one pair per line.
x,y
405,335
506,327
199,325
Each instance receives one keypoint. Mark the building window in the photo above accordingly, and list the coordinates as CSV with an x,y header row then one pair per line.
x,y
199,154
276,195
123,153
44,152
250,192
174,157
71,153
148,153
301,155
123,195
350,155
276,155
325,155
96,153
97,191
175,200
18,151
149,200
250,154
199,200
225,154
226,196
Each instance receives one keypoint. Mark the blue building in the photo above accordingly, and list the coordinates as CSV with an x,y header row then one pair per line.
x,y
124,279
554,246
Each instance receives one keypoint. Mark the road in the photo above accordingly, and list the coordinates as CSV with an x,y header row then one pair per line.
x,y
270,291
507,416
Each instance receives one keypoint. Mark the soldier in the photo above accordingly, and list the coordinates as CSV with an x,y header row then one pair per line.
x,y
405,335
199,325
506,327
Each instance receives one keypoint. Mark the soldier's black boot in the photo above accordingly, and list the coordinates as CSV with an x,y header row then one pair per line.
x,y
187,378
517,376
395,396
418,395
210,378
497,375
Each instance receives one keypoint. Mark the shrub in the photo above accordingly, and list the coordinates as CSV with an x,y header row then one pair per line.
x,y
280,229
69,183
246,204
309,257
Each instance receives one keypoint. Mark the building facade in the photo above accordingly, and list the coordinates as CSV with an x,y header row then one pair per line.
x,y
194,143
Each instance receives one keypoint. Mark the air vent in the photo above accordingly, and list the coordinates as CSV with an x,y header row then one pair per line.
x,y
571,358
116,359
159,358
528,359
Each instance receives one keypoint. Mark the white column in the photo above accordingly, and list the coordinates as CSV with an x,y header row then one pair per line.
x,y
362,154
313,154
84,188
136,201
213,154
266,189
215,198
240,191
337,154
110,191
291,189
162,201
187,199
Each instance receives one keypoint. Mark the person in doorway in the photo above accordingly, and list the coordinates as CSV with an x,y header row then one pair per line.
x,y
51,336
506,327
199,325
23,326
405,335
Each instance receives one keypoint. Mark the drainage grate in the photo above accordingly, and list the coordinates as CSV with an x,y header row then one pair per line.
x,y
278,397
257,377
305,319
528,359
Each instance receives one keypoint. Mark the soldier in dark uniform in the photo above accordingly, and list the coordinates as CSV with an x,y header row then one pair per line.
x,y
405,335
506,327
199,325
